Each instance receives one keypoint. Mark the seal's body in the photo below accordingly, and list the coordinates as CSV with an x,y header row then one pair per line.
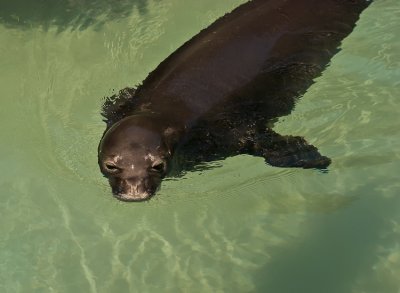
x,y
219,94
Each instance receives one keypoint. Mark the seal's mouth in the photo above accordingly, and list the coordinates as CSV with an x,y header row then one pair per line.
x,y
134,189
133,198
126,191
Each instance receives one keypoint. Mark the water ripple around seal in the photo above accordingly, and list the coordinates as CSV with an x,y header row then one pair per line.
x,y
226,229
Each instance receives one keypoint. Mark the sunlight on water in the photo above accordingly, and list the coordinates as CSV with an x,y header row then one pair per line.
x,y
241,226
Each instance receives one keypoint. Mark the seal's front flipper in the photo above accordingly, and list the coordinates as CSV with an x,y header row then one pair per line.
x,y
289,151
118,106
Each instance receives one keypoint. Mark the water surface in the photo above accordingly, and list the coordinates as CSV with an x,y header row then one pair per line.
x,y
241,227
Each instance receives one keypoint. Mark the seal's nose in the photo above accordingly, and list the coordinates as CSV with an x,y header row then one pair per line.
x,y
132,198
131,190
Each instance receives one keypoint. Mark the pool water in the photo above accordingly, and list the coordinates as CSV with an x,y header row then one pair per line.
x,y
242,226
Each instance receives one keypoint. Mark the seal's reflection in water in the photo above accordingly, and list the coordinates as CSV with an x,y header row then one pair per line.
x,y
65,14
220,93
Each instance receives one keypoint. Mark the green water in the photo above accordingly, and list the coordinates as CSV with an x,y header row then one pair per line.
x,y
242,227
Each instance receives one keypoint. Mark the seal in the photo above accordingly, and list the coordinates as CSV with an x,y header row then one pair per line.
x,y
219,94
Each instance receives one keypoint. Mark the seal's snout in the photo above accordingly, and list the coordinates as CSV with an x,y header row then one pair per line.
x,y
132,198
132,190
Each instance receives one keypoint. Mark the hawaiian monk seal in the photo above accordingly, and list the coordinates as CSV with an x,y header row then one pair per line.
x,y
219,94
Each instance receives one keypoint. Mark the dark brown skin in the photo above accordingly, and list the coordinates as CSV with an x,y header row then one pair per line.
x,y
220,93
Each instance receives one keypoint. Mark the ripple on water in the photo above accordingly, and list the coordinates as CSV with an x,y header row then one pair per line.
x,y
235,176
212,230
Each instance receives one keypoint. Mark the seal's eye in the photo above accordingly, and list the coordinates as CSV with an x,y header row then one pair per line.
x,y
111,168
158,167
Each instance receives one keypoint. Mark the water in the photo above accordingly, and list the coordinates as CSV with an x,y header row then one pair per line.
x,y
241,227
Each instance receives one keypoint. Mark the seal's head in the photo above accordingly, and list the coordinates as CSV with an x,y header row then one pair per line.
x,y
134,155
